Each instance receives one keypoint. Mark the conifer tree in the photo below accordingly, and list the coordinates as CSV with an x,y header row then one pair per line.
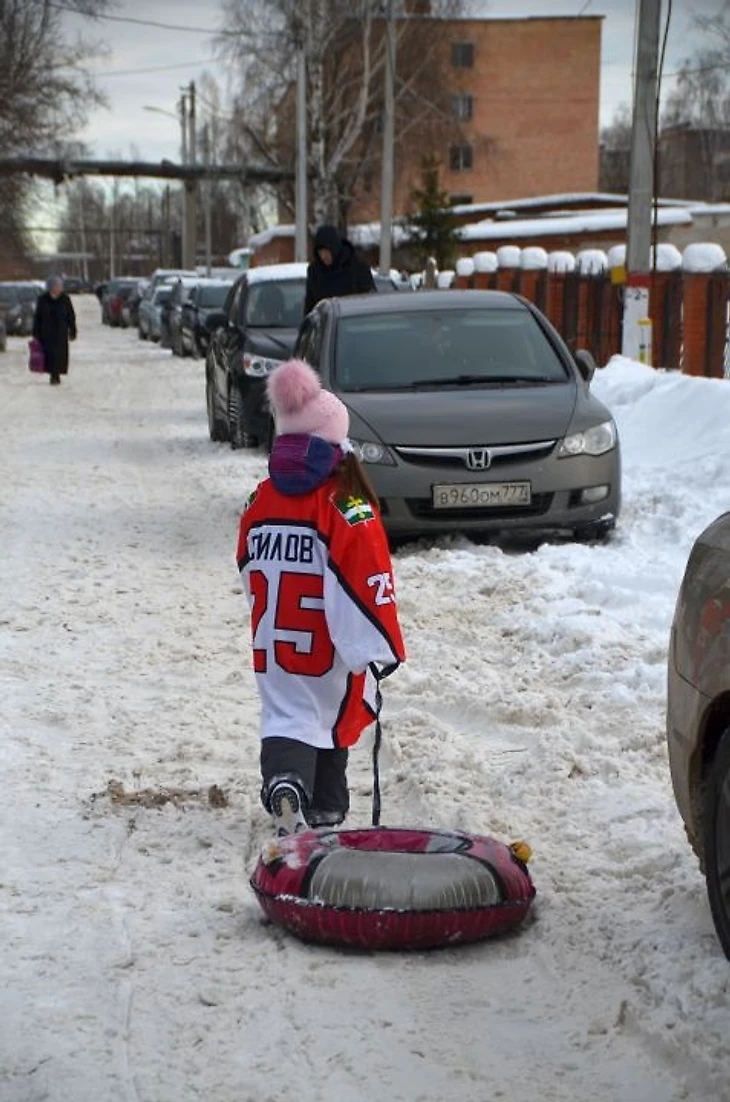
x,y
433,227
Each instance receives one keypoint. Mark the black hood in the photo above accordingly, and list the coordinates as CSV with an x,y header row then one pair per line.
x,y
328,237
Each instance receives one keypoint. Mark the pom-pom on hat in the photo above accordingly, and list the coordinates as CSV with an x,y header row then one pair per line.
x,y
300,405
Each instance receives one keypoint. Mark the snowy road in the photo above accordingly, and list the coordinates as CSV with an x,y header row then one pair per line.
x,y
135,964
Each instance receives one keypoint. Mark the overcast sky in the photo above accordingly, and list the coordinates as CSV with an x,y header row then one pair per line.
x,y
178,56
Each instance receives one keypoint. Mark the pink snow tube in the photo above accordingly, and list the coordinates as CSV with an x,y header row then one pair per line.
x,y
384,888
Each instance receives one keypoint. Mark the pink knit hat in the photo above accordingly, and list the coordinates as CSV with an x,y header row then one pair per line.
x,y
300,405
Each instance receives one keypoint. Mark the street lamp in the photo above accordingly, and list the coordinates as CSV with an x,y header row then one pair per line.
x,y
179,117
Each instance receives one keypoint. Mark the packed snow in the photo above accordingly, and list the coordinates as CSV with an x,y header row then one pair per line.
x,y
136,965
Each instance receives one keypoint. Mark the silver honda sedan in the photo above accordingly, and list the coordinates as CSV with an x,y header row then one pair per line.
x,y
470,413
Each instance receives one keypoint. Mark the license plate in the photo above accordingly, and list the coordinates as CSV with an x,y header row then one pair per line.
x,y
480,495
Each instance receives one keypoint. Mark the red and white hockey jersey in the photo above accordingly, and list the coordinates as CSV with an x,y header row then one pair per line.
x,y
318,576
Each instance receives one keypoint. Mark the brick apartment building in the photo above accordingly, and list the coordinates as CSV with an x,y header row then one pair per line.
x,y
523,101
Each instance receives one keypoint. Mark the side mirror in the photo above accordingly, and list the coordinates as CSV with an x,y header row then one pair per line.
x,y
216,320
586,364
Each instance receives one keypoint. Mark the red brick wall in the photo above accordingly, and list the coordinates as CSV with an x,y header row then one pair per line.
x,y
535,129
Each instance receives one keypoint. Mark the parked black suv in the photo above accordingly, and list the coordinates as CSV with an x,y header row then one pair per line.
x,y
255,332
205,299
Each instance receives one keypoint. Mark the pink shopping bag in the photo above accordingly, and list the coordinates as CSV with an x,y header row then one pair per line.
x,y
36,358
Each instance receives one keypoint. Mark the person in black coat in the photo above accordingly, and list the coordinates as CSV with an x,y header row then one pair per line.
x,y
54,325
335,270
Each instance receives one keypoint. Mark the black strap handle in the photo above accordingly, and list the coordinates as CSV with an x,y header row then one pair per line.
x,y
379,675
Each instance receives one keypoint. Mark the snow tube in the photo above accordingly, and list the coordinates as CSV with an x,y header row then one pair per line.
x,y
386,888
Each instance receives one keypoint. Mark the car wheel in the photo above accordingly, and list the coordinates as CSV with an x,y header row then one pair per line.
x,y
142,334
595,533
217,425
717,841
236,419
268,440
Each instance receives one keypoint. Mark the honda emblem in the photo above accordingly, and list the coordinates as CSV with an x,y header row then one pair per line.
x,y
478,459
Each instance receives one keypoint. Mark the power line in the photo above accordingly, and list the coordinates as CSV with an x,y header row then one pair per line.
x,y
155,69
147,22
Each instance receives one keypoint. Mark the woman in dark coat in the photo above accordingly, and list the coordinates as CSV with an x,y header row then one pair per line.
x,y
335,270
54,325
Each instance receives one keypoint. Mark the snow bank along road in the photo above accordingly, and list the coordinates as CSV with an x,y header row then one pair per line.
x,y
135,963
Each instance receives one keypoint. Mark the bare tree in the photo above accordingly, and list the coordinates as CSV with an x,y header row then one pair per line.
x,y
695,137
45,88
344,46
616,151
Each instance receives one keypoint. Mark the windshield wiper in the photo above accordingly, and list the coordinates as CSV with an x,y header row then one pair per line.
x,y
484,380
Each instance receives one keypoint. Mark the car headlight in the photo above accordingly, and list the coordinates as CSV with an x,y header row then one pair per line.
x,y
596,441
258,367
368,451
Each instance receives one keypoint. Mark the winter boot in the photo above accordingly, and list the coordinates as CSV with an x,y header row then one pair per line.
x,y
317,819
287,809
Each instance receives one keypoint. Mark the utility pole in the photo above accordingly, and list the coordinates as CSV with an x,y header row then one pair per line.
x,y
641,183
190,217
386,183
207,212
300,217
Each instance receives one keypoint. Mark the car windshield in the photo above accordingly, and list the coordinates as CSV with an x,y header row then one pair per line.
x,y
275,305
164,294
470,347
9,295
28,293
213,296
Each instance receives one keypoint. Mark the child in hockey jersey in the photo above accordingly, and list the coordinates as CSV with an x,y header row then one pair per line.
x,y
316,569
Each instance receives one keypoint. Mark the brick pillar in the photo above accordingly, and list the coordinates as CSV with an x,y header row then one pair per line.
x,y
529,278
555,299
507,279
694,315
485,281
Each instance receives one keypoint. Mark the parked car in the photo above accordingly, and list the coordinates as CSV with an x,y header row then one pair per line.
x,y
18,302
75,285
3,333
391,282
150,313
181,289
469,412
112,300
255,331
130,310
206,298
698,712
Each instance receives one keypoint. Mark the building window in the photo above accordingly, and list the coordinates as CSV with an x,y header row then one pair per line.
x,y
462,107
461,199
462,55
460,157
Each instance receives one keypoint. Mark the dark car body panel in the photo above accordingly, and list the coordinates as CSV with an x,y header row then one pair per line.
x,y
238,337
698,682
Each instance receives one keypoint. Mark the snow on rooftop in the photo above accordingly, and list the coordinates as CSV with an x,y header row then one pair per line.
x,y
258,240
608,198
585,223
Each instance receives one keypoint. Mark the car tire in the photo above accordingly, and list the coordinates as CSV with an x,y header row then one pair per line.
x,y
238,436
717,841
598,532
217,426
142,334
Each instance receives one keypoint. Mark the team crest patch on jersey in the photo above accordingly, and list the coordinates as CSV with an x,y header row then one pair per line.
x,y
355,509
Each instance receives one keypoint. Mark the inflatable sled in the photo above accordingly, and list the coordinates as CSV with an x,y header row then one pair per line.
x,y
385,888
